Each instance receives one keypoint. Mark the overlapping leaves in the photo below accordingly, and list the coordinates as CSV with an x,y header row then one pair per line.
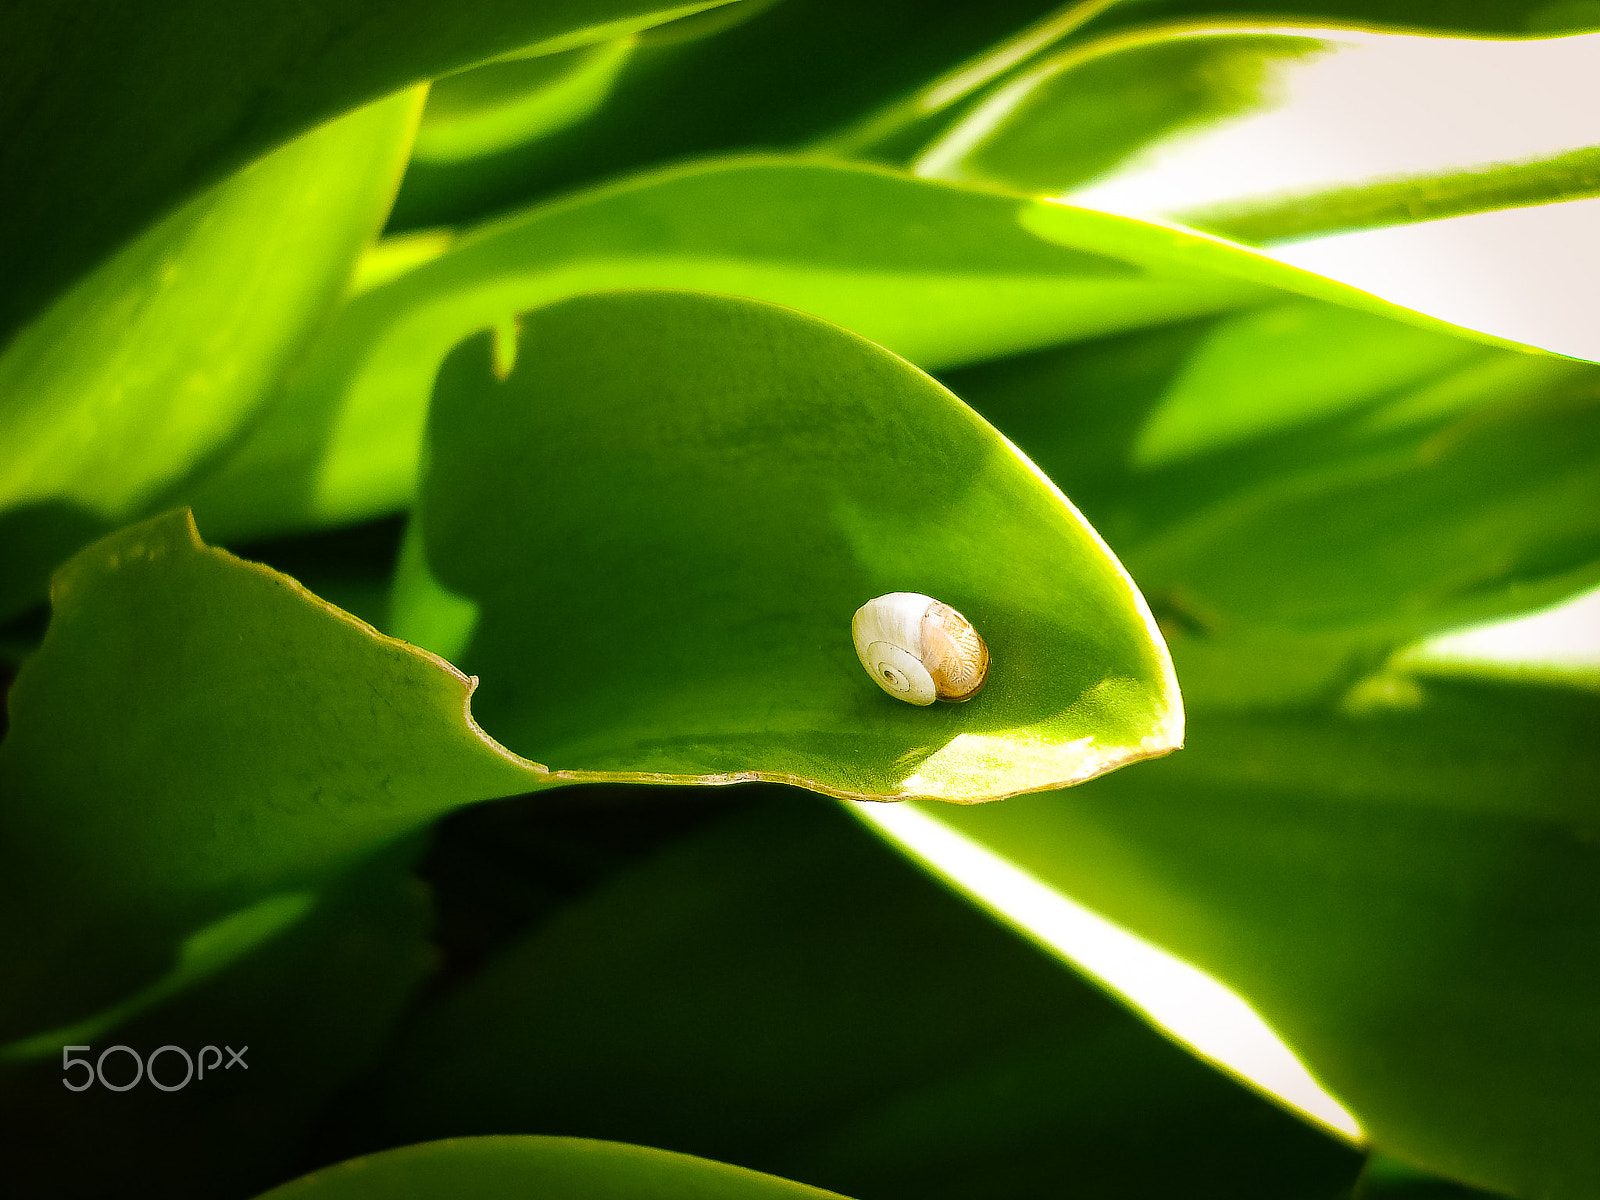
x,y
1402,891
110,118
759,475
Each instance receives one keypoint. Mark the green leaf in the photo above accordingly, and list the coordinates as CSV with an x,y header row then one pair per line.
x,y
156,360
1301,488
940,275
513,1168
93,152
782,990
1403,891
756,75
503,104
480,125
1483,17
196,734
310,1008
758,475
1251,132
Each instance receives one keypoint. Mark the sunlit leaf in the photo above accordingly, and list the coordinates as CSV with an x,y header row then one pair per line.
x,y
940,275
502,104
758,475
196,734
1302,488
112,116
1275,132
783,991
760,74
154,361
479,124
1253,132
1403,891
513,1168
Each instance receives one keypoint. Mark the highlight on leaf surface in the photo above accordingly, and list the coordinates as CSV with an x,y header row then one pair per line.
x,y
1467,161
1303,488
649,537
938,274
1458,819
152,363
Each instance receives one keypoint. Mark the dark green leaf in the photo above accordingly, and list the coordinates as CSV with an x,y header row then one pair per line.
x,y
938,274
113,115
1301,488
198,737
1404,892
308,1009
781,990
660,523
156,360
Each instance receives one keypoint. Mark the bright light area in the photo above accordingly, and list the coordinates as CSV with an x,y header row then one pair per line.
x,y
1528,274
1372,106
1556,641
1184,1001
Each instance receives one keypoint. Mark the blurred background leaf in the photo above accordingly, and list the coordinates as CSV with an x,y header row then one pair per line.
x,y
313,1005
1277,133
940,275
509,1168
1301,488
195,735
763,75
111,117
779,990
1400,889
157,359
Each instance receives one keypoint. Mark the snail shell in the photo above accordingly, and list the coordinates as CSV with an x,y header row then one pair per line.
x,y
918,649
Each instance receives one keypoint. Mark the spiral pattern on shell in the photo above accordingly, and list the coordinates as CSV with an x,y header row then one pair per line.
x,y
919,649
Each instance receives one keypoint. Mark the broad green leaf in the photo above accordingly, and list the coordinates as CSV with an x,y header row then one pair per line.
x,y
514,1168
479,125
760,74
314,1005
780,989
1404,891
93,151
195,735
503,104
758,475
1257,134
156,360
1302,488
938,274
896,126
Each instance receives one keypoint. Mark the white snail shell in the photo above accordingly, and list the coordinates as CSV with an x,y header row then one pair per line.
x,y
918,649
